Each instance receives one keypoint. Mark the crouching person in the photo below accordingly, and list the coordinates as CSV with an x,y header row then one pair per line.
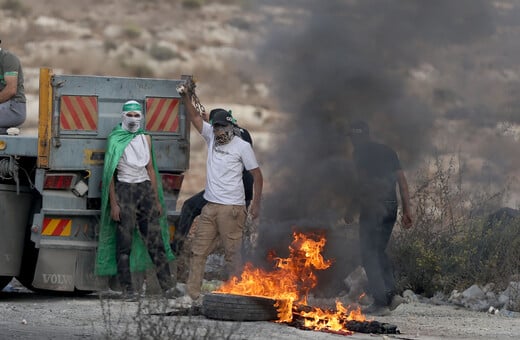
x,y
134,231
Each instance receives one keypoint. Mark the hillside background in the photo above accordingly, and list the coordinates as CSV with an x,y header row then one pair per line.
x,y
164,39
439,82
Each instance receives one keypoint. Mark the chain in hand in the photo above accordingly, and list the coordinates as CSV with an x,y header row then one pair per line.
x,y
188,88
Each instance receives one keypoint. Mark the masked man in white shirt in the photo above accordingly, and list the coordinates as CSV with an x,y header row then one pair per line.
x,y
134,232
225,213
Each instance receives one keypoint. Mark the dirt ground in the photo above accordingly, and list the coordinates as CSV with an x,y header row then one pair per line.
x,y
26,315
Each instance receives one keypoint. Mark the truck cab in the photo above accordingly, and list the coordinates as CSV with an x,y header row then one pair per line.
x,y
50,183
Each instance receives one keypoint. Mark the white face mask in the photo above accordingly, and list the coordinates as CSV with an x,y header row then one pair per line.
x,y
131,124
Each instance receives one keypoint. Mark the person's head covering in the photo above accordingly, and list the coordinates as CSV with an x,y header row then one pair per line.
x,y
223,124
131,124
359,133
220,117
359,128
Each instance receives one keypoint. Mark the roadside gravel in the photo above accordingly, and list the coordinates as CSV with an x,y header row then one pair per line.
x,y
26,315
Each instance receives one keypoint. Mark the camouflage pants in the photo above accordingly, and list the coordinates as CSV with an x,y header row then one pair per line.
x,y
137,203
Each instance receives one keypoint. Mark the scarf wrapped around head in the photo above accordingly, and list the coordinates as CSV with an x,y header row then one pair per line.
x,y
106,263
131,124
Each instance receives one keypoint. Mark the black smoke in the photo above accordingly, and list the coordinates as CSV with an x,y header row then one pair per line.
x,y
348,60
339,61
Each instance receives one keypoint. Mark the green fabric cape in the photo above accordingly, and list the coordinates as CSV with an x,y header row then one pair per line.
x,y
106,262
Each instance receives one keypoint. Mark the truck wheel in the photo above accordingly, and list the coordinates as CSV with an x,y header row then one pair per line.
x,y
30,252
238,307
4,280
29,258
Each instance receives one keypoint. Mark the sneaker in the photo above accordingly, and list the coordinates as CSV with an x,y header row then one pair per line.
x,y
182,302
131,296
396,301
186,302
172,293
13,131
197,302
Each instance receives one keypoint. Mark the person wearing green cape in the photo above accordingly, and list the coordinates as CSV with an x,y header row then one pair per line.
x,y
134,233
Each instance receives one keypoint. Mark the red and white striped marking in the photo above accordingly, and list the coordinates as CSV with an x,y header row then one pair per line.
x,y
162,114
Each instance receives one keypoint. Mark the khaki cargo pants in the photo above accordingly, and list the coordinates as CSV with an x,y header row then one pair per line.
x,y
216,220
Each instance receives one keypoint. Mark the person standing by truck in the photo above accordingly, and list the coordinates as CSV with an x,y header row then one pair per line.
x,y
192,207
378,171
12,97
132,197
225,213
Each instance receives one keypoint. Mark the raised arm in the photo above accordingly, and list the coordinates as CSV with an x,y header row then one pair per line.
x,y
193,115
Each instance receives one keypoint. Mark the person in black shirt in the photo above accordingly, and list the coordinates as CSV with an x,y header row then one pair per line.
x,y
378,170
192,207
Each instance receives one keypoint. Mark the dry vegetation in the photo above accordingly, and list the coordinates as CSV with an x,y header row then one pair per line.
x,y
459,238
135,38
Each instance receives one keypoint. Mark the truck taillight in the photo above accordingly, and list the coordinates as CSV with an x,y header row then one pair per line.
x,y
59,181
171,182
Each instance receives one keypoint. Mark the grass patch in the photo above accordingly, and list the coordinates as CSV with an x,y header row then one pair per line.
x,y
192,4
162,53
132,31
16,7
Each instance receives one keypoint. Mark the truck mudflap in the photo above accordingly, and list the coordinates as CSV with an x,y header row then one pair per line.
x,y
62,269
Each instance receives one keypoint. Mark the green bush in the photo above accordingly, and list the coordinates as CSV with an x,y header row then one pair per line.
x,y
455,242
16,7
162,53
109,45
192,4
132,31
140,70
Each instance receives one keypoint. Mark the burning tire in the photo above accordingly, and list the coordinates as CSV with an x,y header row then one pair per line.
x,y
238,307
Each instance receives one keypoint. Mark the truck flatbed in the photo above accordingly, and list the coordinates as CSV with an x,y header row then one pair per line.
x,y
21,145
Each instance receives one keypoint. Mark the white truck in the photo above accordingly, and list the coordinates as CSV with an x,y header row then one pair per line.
x,y
50,183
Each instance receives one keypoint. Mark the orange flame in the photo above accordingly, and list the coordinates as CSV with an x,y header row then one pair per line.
x,y
290,282
320,319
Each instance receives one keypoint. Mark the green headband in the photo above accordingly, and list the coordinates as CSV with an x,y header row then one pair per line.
x,y
132,106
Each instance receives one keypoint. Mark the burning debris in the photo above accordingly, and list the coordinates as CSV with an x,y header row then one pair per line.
x,y
291,280
338,321
289,284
